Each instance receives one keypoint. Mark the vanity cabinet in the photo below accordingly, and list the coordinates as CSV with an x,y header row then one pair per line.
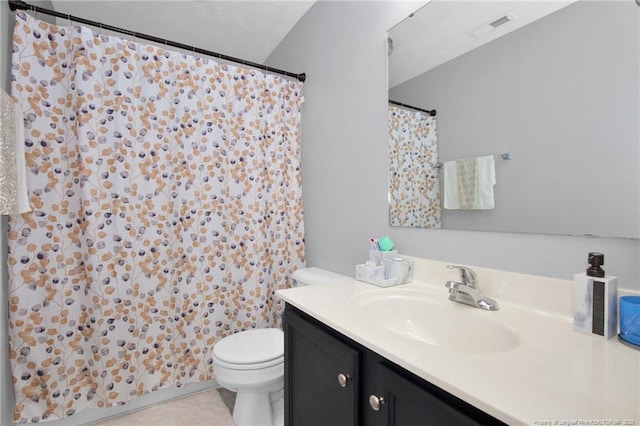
x,y
330,380
407,402
321,376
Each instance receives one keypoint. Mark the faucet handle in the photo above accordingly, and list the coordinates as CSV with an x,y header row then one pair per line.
x,y
467,275
452,286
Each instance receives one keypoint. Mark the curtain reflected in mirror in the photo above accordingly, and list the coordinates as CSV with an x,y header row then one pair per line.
x,y
414,185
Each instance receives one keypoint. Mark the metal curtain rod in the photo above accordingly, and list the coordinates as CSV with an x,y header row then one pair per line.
x,y
19,4
503,156
432,112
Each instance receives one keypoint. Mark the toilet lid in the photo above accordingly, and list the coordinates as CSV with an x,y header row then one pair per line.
x,y
251,346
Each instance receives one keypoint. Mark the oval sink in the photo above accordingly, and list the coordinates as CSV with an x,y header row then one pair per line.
x,y
421,316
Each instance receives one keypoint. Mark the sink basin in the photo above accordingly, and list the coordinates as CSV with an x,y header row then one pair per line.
x,y
422,316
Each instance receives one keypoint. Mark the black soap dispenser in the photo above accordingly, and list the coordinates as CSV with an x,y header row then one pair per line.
x,y
595,309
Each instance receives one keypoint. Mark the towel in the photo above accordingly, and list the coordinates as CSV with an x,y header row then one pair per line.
x,y
13,188
451,198
486,169
468,183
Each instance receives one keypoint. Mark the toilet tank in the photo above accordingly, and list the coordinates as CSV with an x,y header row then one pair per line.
x,y
313,276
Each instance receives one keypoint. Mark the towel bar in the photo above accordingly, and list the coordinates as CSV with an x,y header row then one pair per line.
x,y
503,156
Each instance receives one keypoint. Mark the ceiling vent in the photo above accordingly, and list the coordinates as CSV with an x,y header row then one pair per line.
x,y
491,25
500,21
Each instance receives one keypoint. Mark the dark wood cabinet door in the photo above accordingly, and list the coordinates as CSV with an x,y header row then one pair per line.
x,y
408,404
314,359
315,356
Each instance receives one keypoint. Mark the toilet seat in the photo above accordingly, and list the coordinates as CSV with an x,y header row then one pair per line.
x,y
255,366
251,349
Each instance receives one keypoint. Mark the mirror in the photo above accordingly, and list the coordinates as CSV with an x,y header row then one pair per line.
x,y
557,89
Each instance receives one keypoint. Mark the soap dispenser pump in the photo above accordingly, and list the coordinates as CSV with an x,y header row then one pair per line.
x,y
595,300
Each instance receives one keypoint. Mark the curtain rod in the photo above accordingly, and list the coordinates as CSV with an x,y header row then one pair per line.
x,y
19,4
432,112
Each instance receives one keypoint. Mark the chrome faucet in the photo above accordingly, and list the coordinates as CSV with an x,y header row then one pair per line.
x,y
467,291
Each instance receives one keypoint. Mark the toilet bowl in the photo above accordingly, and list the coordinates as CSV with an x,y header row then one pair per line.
x,y
251,363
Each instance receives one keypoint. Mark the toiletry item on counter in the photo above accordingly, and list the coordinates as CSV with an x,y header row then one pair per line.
x,y
385,244
369,271
630,320
595,300
384,268
399,268
379,256
392,272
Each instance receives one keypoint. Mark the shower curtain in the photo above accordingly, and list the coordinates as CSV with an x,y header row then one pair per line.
x,y
167,203
414,189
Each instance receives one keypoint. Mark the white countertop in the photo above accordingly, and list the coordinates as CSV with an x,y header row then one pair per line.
x,y
553,376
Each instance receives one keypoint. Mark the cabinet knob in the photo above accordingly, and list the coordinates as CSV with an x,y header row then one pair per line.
x,y
343,379
375,402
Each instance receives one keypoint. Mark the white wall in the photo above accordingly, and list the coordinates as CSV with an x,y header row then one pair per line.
x,y
342,48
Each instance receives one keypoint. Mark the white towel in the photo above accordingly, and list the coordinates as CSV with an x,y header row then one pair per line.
x,y
468,183
13,189
486,169
485,181
451,197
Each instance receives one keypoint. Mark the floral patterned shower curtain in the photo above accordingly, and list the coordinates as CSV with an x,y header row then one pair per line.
x,y
167,203
414,189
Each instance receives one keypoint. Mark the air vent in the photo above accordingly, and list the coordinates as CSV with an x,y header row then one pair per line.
x,y
500,21
491,25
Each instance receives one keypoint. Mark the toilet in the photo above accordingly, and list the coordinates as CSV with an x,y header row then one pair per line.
x,y
251,363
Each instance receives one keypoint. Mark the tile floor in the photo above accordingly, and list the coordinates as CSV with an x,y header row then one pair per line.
x,y
207,408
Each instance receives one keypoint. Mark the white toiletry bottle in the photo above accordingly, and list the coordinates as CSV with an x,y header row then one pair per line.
x,y
595,308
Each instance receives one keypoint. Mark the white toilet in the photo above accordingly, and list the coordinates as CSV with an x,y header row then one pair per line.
x,y
251,363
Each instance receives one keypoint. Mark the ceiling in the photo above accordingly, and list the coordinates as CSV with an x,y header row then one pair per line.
x,y
248,30
445,29
251,30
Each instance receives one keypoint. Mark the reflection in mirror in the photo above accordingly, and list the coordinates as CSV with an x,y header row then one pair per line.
x,y
414,192
558,89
